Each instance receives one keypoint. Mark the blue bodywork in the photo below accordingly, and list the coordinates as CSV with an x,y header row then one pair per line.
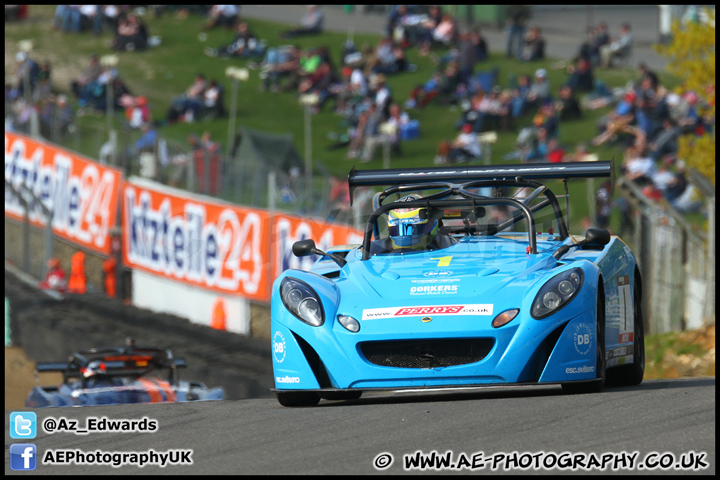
x,y
425,318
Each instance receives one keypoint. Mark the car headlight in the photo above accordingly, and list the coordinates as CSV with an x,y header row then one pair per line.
x,y
557,292
302,301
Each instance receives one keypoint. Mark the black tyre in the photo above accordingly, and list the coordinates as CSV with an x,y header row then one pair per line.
x,y
340,395
594,386
298,399
628,375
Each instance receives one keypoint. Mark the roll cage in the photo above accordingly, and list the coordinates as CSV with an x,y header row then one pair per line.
x,y
458,182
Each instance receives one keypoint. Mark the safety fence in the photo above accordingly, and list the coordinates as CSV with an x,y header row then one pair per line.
x,y
677,260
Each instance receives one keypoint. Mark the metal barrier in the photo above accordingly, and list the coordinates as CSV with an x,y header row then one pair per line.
x,y
676,260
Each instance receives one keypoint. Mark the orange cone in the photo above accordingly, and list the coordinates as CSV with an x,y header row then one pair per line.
x,y
218,314
77,282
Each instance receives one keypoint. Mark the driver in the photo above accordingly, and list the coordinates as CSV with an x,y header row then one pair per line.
x,y
412,228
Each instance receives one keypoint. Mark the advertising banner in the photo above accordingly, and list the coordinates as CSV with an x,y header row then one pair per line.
x,y
196,240
288,229
82,194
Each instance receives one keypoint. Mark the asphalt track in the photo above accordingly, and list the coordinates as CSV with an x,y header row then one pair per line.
x,y
258,436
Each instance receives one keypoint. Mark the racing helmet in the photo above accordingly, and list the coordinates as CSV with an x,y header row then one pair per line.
x,y
411,227
95,369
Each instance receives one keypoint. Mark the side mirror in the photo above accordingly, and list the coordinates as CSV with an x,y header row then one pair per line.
x,y
304,248
593,236
596,236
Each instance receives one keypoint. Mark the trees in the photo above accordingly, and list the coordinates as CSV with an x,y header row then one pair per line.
x,y
692,58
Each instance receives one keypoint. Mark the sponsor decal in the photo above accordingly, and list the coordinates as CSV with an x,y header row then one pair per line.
x,y
287,379
450,310
82,194
583,338
436,280
437,273
625,338
279,347
584,369
434,290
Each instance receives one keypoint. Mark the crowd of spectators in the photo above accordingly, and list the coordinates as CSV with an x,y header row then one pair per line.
x,y
646,121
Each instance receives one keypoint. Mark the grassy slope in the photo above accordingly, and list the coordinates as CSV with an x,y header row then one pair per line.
x,y
162,73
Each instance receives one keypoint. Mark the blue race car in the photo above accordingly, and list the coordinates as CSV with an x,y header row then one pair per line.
x,y
466,277
119,376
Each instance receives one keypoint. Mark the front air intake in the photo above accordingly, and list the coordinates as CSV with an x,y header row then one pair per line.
x,y
427,353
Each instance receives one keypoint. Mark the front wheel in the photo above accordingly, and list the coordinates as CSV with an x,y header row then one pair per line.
x,y
298,399
594,386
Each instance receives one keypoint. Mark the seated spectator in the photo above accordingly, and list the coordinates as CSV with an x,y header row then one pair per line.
x,y
55,278
442,84
90,15
568,107
480,44
611,124
131,34
368,126
88,76
539,90
310,24
581,76
137,111
490,108
465,147
110,16
56,115
222,16
388,133
519,96
555,152
534,48
638,167
318,83
551,122
213,98
279,62
666,141
598,38
245,45
188,105
618,47
445,31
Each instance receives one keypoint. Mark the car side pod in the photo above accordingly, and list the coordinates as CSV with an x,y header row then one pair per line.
x,y
303,248
593,236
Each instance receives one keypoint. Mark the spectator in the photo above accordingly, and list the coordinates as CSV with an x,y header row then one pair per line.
x,y
517,16
581,75
339,199
245,45
87,77
56,115
131,34
464,148
534,46
555,153
551,123
568,107
614,122
279,62
388,133
368,126
137,111
666,141
519,96
425,29
147,141
480,44
490,108
188,105
90,15
638,167
619,47
598,38
213,98
25,74
310,24
55,278
445,31
539,90
222,16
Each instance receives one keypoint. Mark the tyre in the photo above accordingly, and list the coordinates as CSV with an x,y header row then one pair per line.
x,y
298,399
340,395
594,386
628,375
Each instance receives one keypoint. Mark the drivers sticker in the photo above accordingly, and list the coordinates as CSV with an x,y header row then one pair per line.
x,y
279,347
437,273
625,309
450,310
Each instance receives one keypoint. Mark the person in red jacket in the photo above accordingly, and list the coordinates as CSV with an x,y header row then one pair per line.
x,y
55,277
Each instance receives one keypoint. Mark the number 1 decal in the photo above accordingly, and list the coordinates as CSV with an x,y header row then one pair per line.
x,y
442,261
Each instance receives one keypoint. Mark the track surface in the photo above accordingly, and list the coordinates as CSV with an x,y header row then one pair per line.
x,y
258,436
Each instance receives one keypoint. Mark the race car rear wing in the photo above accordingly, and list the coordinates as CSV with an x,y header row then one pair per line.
x,y
464,174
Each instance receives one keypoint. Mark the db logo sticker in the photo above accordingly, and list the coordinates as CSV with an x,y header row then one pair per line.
x,y
582,337
279,347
